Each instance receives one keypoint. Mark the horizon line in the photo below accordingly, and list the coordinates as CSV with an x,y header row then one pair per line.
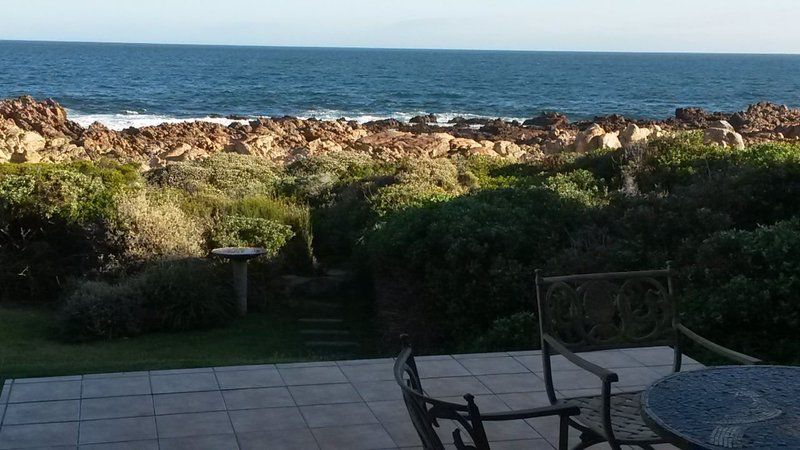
x,y
355,47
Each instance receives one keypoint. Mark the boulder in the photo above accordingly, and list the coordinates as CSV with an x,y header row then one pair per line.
x,y
430,118
47,118
585,140
722,133
462,145
548,120
506,148
633,134
608,140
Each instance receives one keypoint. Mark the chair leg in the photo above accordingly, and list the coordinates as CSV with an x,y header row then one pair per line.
x,y
563,433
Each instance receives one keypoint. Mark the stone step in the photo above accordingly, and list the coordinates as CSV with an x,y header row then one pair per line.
x,y
326,332
315,304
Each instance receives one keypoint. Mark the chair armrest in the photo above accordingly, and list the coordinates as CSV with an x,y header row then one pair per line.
x,y
604,374
558,410
716,348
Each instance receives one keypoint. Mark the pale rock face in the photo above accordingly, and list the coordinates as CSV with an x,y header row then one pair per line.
x,y
25,156
724,138
633,135
258,145
584,139
461,145
722,133
608,140
506,148
323,146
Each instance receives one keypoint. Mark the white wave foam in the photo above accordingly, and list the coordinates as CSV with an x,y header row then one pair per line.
x,y
138,120
133,119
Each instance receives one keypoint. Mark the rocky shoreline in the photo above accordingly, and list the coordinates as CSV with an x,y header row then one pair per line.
x,y
40,131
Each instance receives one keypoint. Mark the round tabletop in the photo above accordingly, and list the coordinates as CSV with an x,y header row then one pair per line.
x,y
727,407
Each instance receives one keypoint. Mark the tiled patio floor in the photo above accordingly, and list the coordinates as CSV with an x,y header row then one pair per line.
x,y
327,405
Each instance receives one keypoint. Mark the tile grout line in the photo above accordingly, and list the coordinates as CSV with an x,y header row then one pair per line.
x,y
153,402
371,411
227,412
80,414
283,380
5,404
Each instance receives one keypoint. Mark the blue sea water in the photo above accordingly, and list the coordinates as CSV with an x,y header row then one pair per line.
x,y
130,84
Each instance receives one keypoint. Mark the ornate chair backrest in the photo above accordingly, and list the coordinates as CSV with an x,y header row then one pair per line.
x,y
426,412
608,310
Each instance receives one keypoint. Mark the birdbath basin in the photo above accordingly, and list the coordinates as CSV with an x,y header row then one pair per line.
x,y
239,256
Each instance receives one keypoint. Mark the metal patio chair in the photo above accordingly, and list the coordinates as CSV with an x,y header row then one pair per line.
x,y
602,311
427,414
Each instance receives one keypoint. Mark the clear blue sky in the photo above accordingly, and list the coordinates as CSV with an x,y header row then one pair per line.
x,y
763,26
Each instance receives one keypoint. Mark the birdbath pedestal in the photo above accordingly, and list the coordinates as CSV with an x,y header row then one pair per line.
x,y
239,256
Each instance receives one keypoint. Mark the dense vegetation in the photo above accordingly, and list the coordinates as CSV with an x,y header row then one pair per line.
x,y
449,246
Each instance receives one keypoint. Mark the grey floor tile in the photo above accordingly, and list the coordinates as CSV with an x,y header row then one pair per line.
x,y
388,411
320,394
453,386
479,355
39,435
507,383
48,379
300,439
244,379
373,391
116,387
300,365
486,403
653,356
194,424
358,362
369,372
510,430
150,444
294,376
534,363
116,407
525,400
37,392
247,367
215,442
188,402
42,412
525,353
184,382
5,391
527,444
564,380
493,365
611,359
636,376
182,371
337,415
117,430
258,398
251,420
403,433
94,376
354,437
441,368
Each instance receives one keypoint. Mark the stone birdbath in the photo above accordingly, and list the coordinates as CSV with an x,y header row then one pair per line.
x,y
239,256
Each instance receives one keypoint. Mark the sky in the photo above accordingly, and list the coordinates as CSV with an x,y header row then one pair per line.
x,y
729,26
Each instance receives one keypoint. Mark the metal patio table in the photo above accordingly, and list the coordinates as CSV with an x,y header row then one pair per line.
x,y
748,407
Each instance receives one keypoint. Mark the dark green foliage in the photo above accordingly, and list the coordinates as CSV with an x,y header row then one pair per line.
x,y
744,290
167,296
241,231
518,331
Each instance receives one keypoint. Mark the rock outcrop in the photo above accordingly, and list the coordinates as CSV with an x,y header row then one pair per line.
x,y
33,131
722,133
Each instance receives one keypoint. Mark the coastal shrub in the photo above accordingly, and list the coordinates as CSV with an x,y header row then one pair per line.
x,y
98,309
149,226
299,250
51,219
518,331
415,183
748,281
316,177
165,296
472,258
241,231
228,174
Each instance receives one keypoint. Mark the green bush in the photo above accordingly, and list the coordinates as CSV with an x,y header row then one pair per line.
x,y
748,281
299,250
240,231
518,331
167,296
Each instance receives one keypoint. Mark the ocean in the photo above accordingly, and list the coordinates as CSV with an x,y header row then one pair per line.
x,y
134,85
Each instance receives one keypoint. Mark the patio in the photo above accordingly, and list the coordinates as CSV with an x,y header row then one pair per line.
x,y
318,405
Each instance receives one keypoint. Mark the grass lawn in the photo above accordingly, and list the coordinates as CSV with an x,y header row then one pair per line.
x,y
29,346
